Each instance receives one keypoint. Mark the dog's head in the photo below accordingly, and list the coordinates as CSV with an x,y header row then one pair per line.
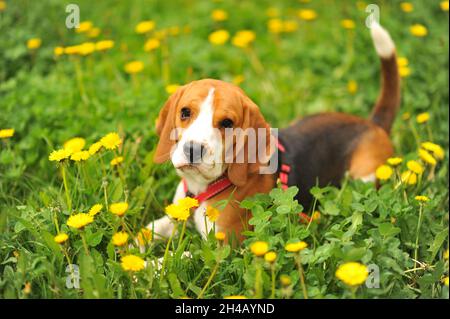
x,y
195,124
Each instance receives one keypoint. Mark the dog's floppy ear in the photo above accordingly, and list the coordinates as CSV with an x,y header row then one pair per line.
x,y
165,124
252,119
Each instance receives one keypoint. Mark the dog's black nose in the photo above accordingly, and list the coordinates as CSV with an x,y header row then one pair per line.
x,y
193,151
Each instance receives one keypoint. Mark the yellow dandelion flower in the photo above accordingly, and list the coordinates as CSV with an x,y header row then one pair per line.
x,y
238,79
152,44
59,155
132,263
219,37
348,24
436,149
361,5
307,14
352,86
415,167
119,209
111,141
296,247
423,117
188,202
383,172
406,116
116,161
145,26
94,148
290,26
174,31
6,133
408,177
2,6
446,255
172,88
86,48
243,38
404,71
187,29
134,67
61,238
144,236
407,7
316,216
270,257
285,280
212,213
352,273
160,34
402,61
427,157
80,220
444,5
94,33
219,15
445,281
272,12
84,26
79,156
275,26
95,209
421,198
58,51
75,144
71,50
235,297
220,236
104,45
418,30
27,288
394,161
34,43
259,248
120,238
177,212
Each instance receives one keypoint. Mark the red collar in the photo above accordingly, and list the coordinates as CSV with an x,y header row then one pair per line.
x,y
212,190
285,169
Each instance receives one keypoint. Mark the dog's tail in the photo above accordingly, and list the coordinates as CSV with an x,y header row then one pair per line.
x,y
388,102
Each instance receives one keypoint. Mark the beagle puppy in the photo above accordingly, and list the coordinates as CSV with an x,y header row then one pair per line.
x,y
193,126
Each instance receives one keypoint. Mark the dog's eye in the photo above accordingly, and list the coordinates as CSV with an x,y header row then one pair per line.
x,y
226,123
185,113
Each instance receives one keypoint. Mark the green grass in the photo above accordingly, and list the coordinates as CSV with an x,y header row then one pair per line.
x,y
49,100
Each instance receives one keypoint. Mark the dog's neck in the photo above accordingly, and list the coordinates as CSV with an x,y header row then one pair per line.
x,y
196,184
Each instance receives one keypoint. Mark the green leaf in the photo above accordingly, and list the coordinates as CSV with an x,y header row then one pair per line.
x,y
283,209
437,243
317,192
18,227
94,239
355,254
175,285
330,208
388,230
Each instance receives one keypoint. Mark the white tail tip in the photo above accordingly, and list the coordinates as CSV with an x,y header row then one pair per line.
x,y
382,40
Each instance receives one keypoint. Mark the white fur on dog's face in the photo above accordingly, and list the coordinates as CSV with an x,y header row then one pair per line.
x,y
201,131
